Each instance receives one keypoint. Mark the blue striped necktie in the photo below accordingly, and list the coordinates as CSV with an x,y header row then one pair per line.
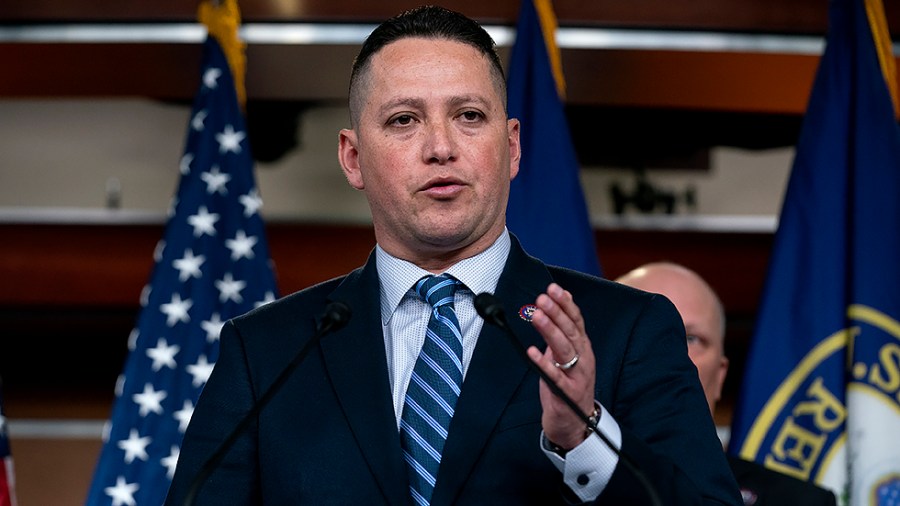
x,y
433,388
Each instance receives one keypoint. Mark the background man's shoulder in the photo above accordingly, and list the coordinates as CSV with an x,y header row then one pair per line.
x,y
761,486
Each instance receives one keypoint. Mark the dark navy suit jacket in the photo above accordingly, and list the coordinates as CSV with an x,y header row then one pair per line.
x,y
761,486
330,435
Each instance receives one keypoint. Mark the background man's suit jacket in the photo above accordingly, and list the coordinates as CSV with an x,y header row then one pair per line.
x,y
330,435
761,486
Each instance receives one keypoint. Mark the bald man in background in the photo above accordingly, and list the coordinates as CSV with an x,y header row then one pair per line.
x,y
704,324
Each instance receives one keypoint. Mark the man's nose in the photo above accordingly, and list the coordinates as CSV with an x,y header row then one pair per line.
x,y
440,143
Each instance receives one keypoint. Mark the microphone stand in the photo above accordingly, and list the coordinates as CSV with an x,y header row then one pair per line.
x,y
491,310
336,315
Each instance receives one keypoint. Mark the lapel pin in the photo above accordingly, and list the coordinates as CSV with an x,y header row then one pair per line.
x,y
527,311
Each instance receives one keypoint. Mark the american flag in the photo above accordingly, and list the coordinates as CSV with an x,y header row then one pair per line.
x,y
212,264
7,478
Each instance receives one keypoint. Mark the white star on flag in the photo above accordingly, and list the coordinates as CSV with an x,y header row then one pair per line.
x,y
145,295
213,327
132,339
183,415
173,204
197,120
176,310
270,297
135,446
211,77
203,222
200,371
229,140
189,265
185,164
251,202
123,493
149,400
215,181
171,461
230,288
241,246
158,251
163,355
120,387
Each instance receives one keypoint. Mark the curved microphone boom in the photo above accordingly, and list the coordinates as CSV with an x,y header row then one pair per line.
x,y
336,315
490,309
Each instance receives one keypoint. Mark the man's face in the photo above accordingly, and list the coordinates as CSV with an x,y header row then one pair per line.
x,y
433,151
700,312
704,339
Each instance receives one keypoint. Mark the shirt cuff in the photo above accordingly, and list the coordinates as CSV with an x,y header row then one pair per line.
x,y
587,468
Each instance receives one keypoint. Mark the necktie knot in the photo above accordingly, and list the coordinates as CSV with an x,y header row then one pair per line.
x,y
437,290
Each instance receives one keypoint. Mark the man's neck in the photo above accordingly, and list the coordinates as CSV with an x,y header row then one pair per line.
x,y
436,259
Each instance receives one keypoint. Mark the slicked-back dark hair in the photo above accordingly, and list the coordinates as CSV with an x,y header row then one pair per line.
x,y
430,22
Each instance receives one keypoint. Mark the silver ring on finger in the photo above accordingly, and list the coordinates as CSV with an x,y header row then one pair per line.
x,y
567,365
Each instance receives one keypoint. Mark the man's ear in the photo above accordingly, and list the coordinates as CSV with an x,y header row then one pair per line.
x,y
515,148
720,376
348,155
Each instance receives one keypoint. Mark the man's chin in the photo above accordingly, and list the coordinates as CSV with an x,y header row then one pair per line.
x,y
449,239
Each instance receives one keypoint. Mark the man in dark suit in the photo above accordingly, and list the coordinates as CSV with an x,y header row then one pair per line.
x,y
704,323
415,400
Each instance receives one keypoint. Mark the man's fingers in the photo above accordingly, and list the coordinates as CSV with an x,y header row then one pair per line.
x,y
545,362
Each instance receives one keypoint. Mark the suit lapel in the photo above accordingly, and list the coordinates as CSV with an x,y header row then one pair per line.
x,y
493,376
357,367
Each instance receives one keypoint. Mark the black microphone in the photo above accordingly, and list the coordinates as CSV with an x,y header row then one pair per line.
x,y
491,310
336,315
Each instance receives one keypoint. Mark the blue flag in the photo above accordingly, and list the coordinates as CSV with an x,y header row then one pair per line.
x,y
821,393
546,210
7,476
211,265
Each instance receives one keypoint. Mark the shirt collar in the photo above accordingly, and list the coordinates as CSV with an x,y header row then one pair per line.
x,y
479,273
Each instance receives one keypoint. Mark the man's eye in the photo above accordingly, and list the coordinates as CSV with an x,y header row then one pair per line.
x,y
692,339
471,115
402,120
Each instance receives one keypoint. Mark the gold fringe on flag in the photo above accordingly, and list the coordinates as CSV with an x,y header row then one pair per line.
x,y
547,18
882,37
222,19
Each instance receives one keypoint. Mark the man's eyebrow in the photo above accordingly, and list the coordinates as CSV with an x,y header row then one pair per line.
x,y
415,103
418,103
468,99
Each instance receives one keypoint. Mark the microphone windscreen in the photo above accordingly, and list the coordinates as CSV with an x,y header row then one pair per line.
x,y
489,307
337,314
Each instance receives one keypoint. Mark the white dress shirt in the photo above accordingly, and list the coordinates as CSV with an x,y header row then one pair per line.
x,y
404,315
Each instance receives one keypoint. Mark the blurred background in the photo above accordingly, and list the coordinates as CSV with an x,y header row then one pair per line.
x,y
684,115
